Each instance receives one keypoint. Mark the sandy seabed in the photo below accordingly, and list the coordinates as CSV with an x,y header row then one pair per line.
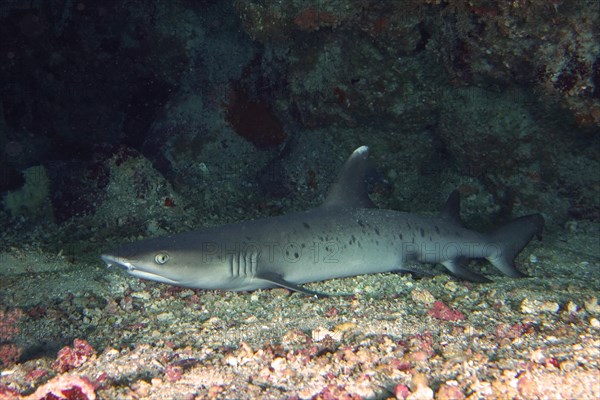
x,y
396,337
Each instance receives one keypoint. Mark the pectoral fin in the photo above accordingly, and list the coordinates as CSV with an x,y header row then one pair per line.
x,y
277,280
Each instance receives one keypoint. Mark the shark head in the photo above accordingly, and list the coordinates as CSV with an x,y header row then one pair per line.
x,y
145,266
167,261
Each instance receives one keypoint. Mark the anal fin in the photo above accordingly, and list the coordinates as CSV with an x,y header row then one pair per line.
x,y
458,269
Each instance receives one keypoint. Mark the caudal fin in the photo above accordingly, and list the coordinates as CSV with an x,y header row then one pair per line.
x,y
509,240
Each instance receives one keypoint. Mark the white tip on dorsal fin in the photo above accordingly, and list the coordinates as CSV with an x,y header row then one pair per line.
x,y
350,188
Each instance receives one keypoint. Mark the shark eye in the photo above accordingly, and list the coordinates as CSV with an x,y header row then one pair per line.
x,y
161,258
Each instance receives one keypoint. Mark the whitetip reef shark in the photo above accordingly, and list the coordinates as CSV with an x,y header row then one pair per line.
x,y
345,236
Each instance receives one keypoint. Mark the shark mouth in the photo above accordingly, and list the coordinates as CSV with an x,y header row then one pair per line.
x,y
153,277
132,270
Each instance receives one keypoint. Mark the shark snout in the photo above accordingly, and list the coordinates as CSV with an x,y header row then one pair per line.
x,y
111,260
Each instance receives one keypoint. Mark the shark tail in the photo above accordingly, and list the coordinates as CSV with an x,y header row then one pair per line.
x,y
509,240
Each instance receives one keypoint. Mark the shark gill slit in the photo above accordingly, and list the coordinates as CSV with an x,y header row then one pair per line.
x,y
243,264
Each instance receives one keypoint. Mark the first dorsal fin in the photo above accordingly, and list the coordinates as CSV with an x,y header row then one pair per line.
x,y
350,188
451,210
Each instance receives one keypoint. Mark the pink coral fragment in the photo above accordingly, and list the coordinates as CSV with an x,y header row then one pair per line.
x,y
73,357
65,387
443,312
